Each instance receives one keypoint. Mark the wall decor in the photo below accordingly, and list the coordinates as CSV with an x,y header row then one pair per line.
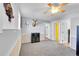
x,y
9,11
34,23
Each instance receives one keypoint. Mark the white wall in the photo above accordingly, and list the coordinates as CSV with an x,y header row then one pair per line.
x,y
74,23
1,23
52,33
15,22
71,23
28,29
64,25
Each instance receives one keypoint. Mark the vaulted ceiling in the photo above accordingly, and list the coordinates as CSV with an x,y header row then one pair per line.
x,y
36,10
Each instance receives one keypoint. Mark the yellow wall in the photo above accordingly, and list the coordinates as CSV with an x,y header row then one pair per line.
x,y
57,31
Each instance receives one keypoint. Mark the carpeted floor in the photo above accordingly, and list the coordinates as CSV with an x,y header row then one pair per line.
x,y
45,48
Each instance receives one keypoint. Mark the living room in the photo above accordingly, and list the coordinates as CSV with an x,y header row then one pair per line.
x,y
39,29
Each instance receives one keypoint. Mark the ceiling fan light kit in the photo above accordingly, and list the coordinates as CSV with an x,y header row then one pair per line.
x,y
56,9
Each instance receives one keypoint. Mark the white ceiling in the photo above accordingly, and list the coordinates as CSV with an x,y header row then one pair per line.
x,y
36,10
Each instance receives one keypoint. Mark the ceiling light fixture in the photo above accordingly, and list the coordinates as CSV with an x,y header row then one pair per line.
x,y
55,8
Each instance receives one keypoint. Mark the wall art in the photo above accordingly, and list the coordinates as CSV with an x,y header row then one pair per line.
x,y
9,11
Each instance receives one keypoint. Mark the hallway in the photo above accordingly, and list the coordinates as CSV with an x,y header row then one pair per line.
x,y
45,48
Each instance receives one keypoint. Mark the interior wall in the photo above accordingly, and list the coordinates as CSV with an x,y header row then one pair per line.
x,y
73,34
64,25
52,30
74,21
68,23
15,22
1,23
27,28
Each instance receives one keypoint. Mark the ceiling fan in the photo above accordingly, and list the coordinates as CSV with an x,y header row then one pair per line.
x,y
55,8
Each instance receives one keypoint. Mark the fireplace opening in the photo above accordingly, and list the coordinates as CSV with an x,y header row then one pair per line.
x,y
35,37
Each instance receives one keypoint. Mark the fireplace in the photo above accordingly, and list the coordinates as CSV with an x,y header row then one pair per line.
x,y
35,37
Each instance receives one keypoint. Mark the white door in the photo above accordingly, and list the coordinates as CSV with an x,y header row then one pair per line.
x,y
64,32
47,31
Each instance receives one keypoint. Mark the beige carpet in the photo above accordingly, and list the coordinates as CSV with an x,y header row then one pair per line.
x,y
45,48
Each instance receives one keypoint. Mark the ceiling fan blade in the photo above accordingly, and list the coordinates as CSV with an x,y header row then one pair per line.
x,y
49,4
62,10
63,4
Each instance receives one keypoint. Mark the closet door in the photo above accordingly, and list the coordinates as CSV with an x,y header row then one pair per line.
x,y
47,31
64,33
